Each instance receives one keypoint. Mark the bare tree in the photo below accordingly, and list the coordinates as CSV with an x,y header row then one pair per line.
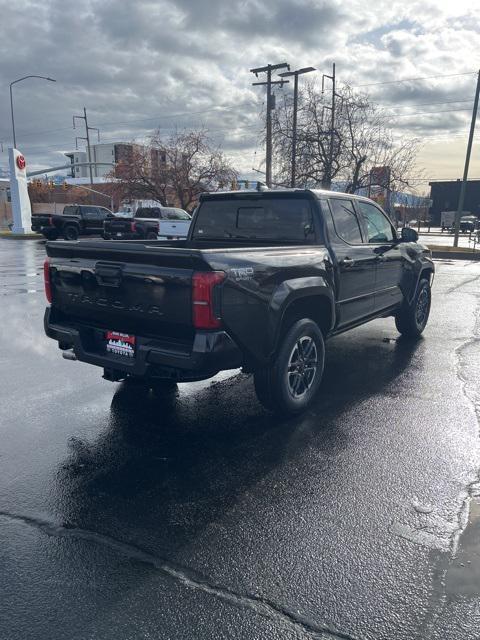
x,y
313,139
175,169
363,139
367,140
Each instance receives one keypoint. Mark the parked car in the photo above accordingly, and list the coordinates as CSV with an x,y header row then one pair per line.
x,y
468,224
262,281
149,223
76,220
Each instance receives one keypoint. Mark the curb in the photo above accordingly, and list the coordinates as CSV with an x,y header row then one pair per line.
x,y
453,253
20,236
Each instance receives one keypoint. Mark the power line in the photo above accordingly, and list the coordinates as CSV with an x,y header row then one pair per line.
x,y
115,139
447,75
428,113
133,121
422,104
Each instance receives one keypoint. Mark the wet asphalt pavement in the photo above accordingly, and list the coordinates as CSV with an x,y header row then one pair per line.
x,y
199,515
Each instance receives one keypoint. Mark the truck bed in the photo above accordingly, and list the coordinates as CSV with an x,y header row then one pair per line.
x,y
144,287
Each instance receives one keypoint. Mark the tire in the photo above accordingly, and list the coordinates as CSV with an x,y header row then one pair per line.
x,y
287,386
51,235
151,235
412,319
70,232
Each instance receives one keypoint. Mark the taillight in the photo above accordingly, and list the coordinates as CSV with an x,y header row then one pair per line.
x,y
46,280
50,221
133,228
204,303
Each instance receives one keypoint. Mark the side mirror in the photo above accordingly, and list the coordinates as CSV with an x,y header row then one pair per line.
x,y
409,235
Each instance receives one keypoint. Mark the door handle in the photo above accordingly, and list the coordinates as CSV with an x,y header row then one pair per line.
x,y
347,262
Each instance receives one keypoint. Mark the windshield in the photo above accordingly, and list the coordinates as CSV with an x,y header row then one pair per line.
x,y
276,219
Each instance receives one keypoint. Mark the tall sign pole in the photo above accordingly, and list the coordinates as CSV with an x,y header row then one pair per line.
x,y
21,207
463,188
87,140
270,106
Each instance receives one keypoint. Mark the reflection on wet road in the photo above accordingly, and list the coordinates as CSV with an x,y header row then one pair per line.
x,y
198,514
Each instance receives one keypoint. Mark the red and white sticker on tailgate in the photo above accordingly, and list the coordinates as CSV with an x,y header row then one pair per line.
x,y
121,344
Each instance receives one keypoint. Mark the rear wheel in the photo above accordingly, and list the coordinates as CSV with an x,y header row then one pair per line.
x,y
412,319
290,383
70,232
51,235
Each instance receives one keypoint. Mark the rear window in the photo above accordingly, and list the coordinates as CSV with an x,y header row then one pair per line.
x,y
148,212
69,211
276,219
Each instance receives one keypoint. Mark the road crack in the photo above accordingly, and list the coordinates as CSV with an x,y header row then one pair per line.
x,y
472,396
462,284
261,605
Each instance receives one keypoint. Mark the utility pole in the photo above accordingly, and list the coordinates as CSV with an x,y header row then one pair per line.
x,y
87,139
270,106
295,74
329,171
463,188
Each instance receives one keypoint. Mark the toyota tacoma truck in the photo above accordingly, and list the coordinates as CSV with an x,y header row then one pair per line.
x,y
76,220
262,281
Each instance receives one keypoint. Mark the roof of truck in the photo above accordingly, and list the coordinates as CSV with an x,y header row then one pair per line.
x,y
266,192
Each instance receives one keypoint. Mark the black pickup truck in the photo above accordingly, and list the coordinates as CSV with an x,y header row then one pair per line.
x,y
263,279
76,220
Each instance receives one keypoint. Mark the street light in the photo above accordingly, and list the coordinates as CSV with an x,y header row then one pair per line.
x,y
295,74
11,100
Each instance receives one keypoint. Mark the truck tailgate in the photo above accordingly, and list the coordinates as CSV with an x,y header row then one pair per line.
x,y
118,225
174,228
139,289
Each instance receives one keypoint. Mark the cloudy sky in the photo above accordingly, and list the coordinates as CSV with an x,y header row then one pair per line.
x,y
138,65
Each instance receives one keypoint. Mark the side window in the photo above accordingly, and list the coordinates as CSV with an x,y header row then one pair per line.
x,y
379,228
345,220
92,213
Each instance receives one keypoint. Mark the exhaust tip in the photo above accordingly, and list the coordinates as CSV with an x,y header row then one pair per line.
x,y
69,355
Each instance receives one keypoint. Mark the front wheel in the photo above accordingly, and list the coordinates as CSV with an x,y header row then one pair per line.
x,y
289,384
151,235
412,319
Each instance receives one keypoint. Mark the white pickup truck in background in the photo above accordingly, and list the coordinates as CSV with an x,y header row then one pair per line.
x,y
173,223
468,222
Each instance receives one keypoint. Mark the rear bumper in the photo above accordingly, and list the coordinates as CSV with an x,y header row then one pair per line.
x,y
210,352
43,228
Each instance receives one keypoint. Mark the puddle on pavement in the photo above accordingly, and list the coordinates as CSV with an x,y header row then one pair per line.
x,y
463,575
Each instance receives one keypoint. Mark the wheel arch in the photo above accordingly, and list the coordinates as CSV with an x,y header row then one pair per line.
x,y
427,271
313,300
